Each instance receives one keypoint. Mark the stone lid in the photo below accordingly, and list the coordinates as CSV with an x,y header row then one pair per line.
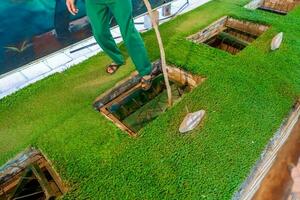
x,y
276,42
191,121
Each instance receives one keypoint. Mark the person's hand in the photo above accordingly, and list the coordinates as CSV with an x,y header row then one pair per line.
x,y
71,7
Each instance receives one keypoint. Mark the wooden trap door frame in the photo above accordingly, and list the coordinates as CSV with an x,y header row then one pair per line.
x,y
175,75
229,34
279,6
38,165
104,110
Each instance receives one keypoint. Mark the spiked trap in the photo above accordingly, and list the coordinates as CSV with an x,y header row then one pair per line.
x,y
131,108
229,34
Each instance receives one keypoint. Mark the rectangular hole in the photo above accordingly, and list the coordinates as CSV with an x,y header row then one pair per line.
x,y
131,108
30,176
229,34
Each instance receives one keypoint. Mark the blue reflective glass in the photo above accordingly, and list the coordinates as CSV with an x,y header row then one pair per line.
x,y
31,29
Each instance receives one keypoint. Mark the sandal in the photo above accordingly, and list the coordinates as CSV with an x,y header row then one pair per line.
x,y
112,68
146,82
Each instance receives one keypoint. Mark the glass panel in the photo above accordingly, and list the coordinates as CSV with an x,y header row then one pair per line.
x,y
31,29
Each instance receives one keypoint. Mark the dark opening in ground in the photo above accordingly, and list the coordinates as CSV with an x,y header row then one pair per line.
x,y
279,6
30,176
229,34
131,108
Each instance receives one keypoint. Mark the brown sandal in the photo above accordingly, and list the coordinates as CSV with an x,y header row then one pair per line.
x,y
146,82
112,68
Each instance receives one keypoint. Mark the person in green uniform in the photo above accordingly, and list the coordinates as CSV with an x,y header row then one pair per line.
x,y
99,12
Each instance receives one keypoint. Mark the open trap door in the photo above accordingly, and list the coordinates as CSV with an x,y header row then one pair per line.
x,y
29,176
229,34
131,108
278,6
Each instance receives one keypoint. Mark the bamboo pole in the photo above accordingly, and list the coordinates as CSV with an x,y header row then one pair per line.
x,y
162,51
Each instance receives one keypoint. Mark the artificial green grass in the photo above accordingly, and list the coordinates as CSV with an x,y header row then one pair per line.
x,y
246,98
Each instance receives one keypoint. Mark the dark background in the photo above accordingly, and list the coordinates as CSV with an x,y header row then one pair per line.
x,y
31,29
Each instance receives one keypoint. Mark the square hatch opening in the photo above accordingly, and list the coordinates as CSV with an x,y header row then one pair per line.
x,y
229,34
30,176
130,107
281,7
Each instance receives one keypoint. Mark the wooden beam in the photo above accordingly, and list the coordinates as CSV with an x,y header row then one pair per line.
x,y
42,180
233,39
272,10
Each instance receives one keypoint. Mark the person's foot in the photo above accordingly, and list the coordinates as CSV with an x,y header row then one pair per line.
x,y
146,82
112,68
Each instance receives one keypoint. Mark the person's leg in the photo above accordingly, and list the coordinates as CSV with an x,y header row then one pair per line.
x,y
122,11
99,18
62,20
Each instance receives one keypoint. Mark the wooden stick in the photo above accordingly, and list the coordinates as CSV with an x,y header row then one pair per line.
x,y
162,51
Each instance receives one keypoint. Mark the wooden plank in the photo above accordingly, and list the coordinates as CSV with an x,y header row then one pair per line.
x,y
235,39
43,181
183,77
116,121
22,182
260,170
38,159
12,179
248,27
116,91
213,26
58,181
123,86
272,10
123,95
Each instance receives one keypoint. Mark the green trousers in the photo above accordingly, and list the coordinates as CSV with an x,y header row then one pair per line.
x,y
99,13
